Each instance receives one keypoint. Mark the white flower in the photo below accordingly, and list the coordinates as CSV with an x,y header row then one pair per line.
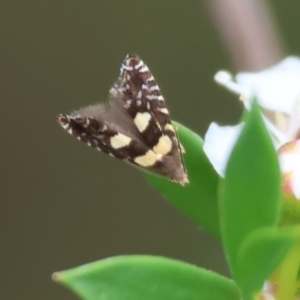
x,y
277,91
219,142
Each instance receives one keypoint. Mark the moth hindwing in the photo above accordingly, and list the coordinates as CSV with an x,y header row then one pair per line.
x,y
134,126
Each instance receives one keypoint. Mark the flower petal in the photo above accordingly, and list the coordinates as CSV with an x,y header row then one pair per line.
x,y
275,88
218,144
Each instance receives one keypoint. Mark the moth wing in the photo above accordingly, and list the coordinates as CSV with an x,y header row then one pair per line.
x,y
106,128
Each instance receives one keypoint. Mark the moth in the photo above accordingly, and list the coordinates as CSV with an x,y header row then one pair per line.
x,y
134,125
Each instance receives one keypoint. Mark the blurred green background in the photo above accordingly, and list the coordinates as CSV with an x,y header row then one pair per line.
x,y
64,204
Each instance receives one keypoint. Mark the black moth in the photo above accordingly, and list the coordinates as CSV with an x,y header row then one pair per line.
x,y
134,126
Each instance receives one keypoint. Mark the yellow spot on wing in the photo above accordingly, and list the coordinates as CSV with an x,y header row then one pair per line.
x,y
163,146
119,141
147,160
164,110
141,121
169,127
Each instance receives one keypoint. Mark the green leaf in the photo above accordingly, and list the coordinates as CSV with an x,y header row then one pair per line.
x,y
290,210
260,254
146,278
250,193
197,199
286,274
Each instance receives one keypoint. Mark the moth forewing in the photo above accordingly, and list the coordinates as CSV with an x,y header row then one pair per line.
x,y
135,125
